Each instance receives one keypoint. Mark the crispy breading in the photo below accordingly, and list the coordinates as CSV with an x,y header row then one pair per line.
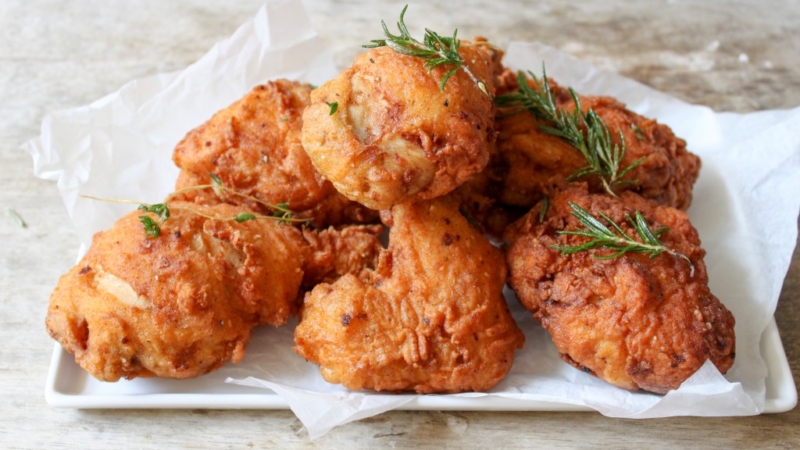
x,y
533,159
479,198
395,136
332,253
634,321
430,318
254,147
180,305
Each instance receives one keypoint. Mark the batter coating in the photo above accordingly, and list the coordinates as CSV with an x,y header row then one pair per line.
x,y
394,136
636,322
430,318
533,159
253,147
184,303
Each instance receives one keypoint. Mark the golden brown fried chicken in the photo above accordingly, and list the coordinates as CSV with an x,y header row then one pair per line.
x,y
431,318
332,253
254,147
634,321
394,136
180,305
533,158
184,303
479,199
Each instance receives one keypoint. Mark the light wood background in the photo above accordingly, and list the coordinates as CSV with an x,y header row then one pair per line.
x,y
728,54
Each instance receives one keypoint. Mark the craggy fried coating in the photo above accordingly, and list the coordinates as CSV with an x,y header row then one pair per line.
x,y
395,136
533,158
636,322
333,210
254,147
180,305
332,253
479,200
430,318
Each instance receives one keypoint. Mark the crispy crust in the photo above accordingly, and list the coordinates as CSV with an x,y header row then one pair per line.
x,y
254,147
636,322
396,137
533,159
431,318
178,306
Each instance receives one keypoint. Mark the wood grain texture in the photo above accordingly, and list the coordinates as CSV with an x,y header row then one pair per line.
x,y
728,54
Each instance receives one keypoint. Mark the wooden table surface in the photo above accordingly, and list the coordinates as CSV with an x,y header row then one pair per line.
x,y
731,55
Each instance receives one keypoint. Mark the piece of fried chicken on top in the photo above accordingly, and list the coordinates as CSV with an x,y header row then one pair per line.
x,y
384,133
430,318
636,322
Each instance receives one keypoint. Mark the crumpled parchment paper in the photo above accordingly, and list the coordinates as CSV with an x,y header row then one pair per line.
x,y
745,209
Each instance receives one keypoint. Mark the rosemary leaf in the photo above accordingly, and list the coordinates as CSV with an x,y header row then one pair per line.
x,y
543,209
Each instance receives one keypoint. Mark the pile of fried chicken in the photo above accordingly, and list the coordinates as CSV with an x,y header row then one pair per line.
x,y
280,207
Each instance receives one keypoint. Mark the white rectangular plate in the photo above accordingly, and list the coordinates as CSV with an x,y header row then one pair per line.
x,y
69,386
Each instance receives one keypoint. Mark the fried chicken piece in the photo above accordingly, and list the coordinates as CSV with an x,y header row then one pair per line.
x,y
179,305
634,321
254,147
184,303
430,318
533,158
395,136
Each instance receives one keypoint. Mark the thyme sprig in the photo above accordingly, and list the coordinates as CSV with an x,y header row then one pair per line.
x,y
435,49
587,132
613,237
281,211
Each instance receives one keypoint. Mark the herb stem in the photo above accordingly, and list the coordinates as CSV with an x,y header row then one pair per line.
x,y
615,238
217,185
281,213
435,49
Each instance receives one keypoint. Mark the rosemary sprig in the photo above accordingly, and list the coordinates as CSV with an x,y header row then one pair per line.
x,y
615,238
281,212
435,49
587,132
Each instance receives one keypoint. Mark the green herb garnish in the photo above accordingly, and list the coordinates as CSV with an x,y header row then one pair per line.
x,y
162,210
435,49
587,132
334,107
638,132
543,209
615,238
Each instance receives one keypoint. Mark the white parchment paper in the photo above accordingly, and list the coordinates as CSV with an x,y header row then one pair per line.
x,y
745,209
